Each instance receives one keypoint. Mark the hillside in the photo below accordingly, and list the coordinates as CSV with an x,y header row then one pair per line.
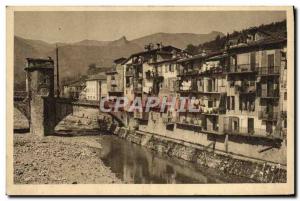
x,y
74,58
179,40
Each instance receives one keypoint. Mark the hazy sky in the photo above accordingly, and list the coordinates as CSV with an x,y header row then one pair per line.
x,y
100,25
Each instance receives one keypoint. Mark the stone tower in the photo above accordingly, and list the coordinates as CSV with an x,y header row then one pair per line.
x,y
40,89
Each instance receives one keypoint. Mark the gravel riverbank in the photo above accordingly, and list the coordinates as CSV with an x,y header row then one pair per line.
x,y
59,160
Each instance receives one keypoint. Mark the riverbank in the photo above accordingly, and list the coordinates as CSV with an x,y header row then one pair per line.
x,y
59,160
254,171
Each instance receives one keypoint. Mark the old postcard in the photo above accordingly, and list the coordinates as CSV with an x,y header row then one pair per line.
x,y
150,100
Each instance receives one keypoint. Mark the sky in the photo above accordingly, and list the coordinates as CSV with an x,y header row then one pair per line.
x,y
73,26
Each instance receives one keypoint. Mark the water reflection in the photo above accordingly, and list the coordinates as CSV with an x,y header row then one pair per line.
x,y
136,164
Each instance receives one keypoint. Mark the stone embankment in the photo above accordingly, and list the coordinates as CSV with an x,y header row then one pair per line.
x,y
254,171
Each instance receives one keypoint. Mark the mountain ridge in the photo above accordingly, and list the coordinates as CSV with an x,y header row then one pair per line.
x,y
74,58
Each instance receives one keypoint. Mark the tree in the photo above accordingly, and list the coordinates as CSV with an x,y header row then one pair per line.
x,y
191,49
92,69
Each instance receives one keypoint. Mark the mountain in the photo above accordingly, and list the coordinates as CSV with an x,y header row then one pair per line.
x,y
74,58
179,40
92,43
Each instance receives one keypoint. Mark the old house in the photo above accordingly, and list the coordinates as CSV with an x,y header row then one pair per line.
x,y
74,89
253,93
144,74
96,87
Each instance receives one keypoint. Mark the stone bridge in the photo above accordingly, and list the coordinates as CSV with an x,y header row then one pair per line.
x,y
46,114
39,104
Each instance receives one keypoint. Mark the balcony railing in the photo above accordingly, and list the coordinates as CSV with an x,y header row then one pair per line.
x,y
267,115
214,70
243,68
266,71
270,94
245,88
184,72
213,110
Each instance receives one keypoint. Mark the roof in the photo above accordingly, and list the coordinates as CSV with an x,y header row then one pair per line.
x,y
112,71
119,60
200,57
161,49
77,83
261,43
165,61
40,59
99,76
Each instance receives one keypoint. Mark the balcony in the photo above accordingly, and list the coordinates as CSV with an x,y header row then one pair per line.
x,y
189,72
245,88
193,124
269,71
214,70
270,94
268,116
213,110
242,68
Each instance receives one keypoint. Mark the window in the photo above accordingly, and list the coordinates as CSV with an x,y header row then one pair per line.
x,y
232,102
210,104
285,95
271,60
228,102
45,80
285,123
250,125
166,69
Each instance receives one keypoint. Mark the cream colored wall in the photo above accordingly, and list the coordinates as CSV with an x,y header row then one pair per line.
x,y
92,87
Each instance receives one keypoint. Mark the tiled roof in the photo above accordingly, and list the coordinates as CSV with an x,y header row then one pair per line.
x,y
200,56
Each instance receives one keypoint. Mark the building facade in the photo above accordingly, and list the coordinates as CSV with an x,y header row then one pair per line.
x,y
240,93
74,90
96,87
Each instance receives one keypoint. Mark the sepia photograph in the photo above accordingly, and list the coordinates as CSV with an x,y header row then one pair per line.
x,y
192,100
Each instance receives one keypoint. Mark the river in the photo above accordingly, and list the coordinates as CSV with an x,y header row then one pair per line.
x,y
135,164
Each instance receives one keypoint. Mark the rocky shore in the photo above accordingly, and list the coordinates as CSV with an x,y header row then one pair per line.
x,y
59,160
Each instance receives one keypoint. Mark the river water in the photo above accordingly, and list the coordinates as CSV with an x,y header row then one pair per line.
x,y
135,164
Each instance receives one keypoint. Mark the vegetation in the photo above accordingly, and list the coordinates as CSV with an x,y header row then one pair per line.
x,y
219,42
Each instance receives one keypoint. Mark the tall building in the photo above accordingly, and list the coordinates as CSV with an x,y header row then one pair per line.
x,y
203,77
144,75
253,94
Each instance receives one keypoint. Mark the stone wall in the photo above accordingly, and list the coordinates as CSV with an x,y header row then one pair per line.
x,y
253,170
